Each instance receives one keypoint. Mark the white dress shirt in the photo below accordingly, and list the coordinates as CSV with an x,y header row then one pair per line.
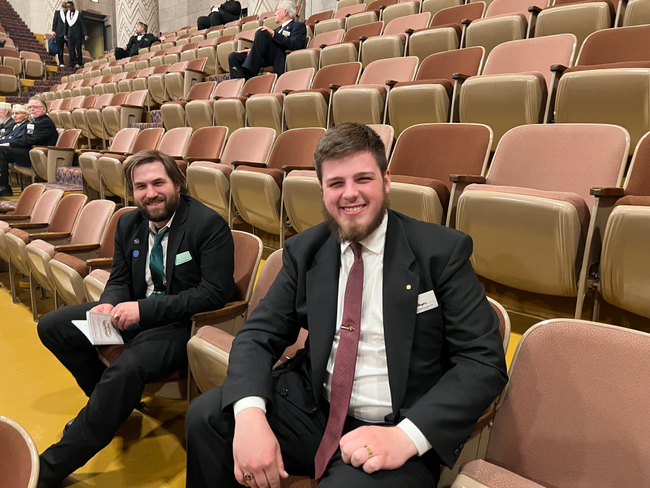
x,y
163,243
370,400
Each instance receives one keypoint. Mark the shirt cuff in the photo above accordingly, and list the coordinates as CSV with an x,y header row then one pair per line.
x,y
415,434
253,401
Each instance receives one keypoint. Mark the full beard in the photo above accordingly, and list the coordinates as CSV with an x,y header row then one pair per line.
x,y
168,210
359,232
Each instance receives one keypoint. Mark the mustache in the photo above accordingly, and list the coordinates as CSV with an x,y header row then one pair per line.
x,y
148,201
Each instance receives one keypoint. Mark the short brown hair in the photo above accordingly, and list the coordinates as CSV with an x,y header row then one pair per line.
x,y
348,139
153,156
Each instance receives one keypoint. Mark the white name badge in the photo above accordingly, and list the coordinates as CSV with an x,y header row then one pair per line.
x,y
426,301
30,128
286,33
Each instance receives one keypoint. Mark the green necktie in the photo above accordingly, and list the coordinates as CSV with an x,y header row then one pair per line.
x,y
156,264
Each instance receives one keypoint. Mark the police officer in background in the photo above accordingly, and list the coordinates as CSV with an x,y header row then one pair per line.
x,y
140,40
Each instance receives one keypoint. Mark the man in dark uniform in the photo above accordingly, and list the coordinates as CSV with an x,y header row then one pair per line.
x,y
6,121
220,15
15,146
140,40
75,31
58,29
269,47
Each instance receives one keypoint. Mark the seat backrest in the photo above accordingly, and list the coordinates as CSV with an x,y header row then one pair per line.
x,y
92,222
327,38
119,77
337,74
456,15
103,100
89,102
249,144
270,270
201,91
297,146
30,55
124,140
366,30
147,139
248,253
209,43
638,177
131,74
146,72
189,46
527,55
616,46
229,88
298,79
437,151
107,248
107,79
207,143
178,67
28,199
398,69
55,104
65,103
504,322
400,24
569,158
175,50
174,142
387,135
69,138
137,98
20,465
118,99
502,7
67,212
351,10
259,84
318,17
443,65
44,208
577,404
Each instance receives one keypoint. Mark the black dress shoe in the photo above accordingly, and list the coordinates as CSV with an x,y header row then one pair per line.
x,y
236,73
67,426
6,191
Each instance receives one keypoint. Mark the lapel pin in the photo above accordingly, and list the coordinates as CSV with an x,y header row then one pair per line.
x,y
408,287
136,254
136,241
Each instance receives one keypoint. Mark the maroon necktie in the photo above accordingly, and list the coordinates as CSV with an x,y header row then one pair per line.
x,y
344,364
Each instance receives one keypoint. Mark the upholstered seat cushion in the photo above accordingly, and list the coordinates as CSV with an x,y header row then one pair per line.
x,y
79,265
276,174
4,226
445,83
641,201
493,476
438,186
625,64
44,246
22,235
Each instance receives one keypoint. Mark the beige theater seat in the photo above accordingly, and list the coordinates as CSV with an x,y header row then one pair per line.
x,y
110,165
302,192
318,17
365,102
57,109
69,268
21,213
241,41
95,115
266,109
208,49
100,87
393,42
362,18
174,143
572,407
190,51
338,21
131,63
200,113
87,231
143,61
311,108
310,57
433,93
517,86
56,156
231,112
256,189
637,12
401,9
34,67
158,58
117,117
206,144
209,182
62,221
122,143
347,51
65,116
126,83
11,59
156,84
424,158
141,82
173,113
80,116
435,6
19,453
533,221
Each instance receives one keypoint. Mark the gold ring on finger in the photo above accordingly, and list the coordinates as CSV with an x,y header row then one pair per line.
x,y
370,454
248,477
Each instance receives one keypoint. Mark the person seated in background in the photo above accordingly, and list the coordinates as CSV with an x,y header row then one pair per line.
x,y
173,258
220,14
270,46
15,145
6,121
403,356
139,41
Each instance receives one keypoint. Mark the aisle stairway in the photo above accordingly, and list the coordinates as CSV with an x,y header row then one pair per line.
x,y
23,38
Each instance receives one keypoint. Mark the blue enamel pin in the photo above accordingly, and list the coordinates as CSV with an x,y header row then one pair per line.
x,y
136,254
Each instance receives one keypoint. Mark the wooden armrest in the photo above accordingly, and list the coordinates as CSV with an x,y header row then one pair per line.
x,y
607,192
124,105
56,148
460,76
254,164
117,152
323,46
485,419
363,38
28,225
409,31
467,179
232,308
466,22
559,68
50,236
212,160
287,91
75,248
10,218
6,210
391,83
288,167
100,262
534,9
335,87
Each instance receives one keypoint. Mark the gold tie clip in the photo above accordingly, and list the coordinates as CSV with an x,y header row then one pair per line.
x,y
347,328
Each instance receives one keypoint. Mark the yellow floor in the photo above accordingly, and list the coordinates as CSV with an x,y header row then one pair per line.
x,y
40,394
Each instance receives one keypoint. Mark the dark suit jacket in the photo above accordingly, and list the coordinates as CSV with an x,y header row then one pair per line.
x,y
134,45
203,283
229,10
445,365
58,25
44,134
78,30
7,126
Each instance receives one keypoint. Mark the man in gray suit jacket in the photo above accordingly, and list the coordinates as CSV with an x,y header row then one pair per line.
x,y
386,408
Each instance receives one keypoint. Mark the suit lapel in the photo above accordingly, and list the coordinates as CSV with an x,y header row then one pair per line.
x,y
400,295
321,308
140,261
176,233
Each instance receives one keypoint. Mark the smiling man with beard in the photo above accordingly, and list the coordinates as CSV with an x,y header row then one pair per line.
x,y
403,354
173,258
